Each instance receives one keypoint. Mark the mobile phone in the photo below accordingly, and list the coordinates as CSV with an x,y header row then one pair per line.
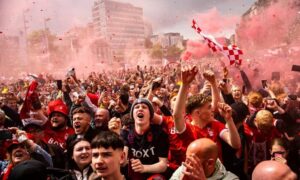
x,y
5,134
59,84
292,97
296,68
264,83
244,89
225,80
275,76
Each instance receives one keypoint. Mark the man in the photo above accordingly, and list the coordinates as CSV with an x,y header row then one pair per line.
x,y
200,110
259,131
255,102
101,119
146,144
82,125
21,150
37,135
236,93
56,129
273,170
202,163
107,156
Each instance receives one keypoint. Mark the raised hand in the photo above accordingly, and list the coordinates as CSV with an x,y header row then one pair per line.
x,y
188,74
209,76
114,125
193,169
225,111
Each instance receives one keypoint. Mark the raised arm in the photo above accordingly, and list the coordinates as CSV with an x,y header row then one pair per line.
x,y
187,76
231,136
210,77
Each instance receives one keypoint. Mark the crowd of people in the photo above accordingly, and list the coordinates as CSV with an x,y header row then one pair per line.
x,y
178,122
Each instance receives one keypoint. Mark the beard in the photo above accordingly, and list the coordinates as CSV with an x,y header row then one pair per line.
x,y
60,126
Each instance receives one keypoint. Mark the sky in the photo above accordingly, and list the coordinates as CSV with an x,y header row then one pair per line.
x,y
164,15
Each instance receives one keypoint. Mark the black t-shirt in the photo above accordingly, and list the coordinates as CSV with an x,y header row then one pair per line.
x,y
147,147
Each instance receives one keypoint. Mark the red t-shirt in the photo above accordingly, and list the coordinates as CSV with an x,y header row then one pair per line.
x,y
258,144
57,137
178,145
212,130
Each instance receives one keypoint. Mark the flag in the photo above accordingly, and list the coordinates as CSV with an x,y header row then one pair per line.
x,y
30,95
232,52
211,43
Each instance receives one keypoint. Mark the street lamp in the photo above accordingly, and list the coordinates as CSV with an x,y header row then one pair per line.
x,y
45,20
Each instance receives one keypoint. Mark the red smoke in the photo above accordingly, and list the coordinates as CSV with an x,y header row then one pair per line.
x,y
270,27
213,22
195,49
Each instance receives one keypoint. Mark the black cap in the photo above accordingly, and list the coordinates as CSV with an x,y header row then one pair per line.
x,y
30,169
142,101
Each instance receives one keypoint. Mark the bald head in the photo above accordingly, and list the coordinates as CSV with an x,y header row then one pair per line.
x,y
204,148
273,170
101,117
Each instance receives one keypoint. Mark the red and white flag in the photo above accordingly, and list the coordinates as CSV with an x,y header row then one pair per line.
x,y
30,95
232,52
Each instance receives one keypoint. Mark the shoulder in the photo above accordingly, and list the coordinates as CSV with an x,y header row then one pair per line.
x,y
230,176
217,124
177,173
248,130
158,130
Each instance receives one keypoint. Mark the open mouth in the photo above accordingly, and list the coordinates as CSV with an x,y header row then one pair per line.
x,y
18,154
54,121
77,126
140,115
84,157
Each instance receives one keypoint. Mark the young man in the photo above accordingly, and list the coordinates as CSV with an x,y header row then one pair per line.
x,y
146,144
82,125
200,108
107,156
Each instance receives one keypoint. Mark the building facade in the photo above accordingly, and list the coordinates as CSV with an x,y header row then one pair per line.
x,y
168,39
121,25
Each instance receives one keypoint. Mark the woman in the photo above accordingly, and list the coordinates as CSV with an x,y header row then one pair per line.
x,y
285,153
79,158
279,150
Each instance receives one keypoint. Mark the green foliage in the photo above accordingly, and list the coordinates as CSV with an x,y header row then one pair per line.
x,y
157,51
173,51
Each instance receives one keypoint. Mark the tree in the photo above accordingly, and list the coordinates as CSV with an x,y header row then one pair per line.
x,y
157,51
173,51
42,40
